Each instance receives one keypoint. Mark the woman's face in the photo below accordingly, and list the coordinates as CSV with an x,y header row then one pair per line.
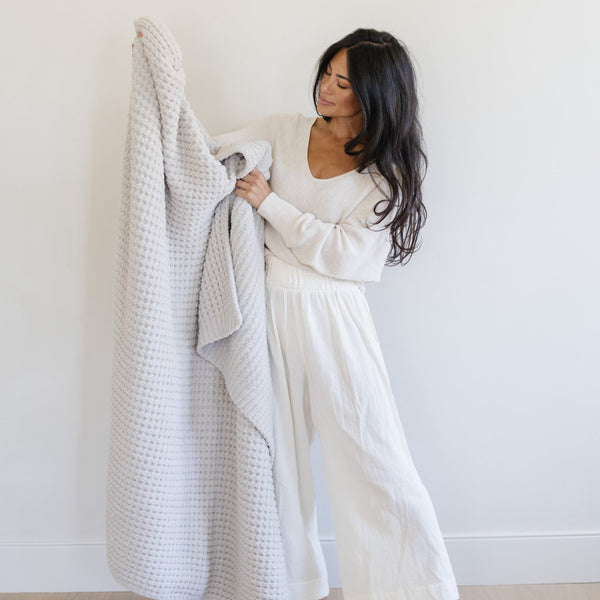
x,y
336,98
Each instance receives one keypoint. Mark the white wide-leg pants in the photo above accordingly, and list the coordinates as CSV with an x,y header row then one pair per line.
x,y
330,379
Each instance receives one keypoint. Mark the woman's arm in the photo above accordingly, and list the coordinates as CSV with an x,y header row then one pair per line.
x,y
347,250
259,129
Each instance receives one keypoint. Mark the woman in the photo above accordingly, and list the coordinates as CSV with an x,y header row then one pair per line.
x,y
329,175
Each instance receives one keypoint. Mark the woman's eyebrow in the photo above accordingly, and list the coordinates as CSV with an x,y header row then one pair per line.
x,y
337,74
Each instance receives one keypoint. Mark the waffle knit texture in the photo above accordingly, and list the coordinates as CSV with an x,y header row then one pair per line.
x,y
190,500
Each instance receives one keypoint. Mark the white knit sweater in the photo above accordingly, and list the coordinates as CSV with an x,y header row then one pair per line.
x,y
314,223
190,502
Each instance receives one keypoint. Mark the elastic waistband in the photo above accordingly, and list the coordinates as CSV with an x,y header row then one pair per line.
x,y
279,273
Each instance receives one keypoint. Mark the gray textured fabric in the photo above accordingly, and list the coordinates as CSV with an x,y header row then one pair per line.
x,y
190,503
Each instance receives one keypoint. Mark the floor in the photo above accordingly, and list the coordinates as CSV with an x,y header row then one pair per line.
x,y
550,591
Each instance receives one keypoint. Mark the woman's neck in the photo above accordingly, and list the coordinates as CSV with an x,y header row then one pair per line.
x,y
342,129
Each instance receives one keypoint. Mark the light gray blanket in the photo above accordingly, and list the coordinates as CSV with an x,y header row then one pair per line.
x,y
190,503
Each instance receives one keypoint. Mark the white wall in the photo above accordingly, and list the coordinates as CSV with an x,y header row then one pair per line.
x,y
490,333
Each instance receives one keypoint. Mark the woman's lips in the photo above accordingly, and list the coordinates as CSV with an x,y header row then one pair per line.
x,y
323,101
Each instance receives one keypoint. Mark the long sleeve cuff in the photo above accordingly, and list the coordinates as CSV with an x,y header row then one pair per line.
x,y
277,211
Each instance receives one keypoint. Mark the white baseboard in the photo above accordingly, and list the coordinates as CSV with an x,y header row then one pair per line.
x,y
476,560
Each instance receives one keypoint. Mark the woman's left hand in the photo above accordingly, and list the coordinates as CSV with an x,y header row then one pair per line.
x,y
253,188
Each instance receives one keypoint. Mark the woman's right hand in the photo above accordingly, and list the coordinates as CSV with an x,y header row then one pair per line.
x,y
140,34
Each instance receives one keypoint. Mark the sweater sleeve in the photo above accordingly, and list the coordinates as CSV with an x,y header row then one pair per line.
x,y
259,129
346,250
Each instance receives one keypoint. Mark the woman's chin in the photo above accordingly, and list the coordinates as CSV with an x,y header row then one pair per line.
x,y
326,110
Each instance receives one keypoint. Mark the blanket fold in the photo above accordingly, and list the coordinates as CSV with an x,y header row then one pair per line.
x,y
190,502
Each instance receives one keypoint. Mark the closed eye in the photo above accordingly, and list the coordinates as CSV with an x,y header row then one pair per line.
x,y
340,86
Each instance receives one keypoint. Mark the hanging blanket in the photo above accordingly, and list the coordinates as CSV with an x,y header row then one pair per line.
x,y
190,503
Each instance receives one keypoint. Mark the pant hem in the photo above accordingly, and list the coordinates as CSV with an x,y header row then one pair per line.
x,y
442,590
315,589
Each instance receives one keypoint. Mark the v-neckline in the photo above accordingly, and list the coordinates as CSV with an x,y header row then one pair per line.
x,y
306,163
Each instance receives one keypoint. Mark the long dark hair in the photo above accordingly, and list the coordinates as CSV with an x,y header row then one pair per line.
x,y
384,82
